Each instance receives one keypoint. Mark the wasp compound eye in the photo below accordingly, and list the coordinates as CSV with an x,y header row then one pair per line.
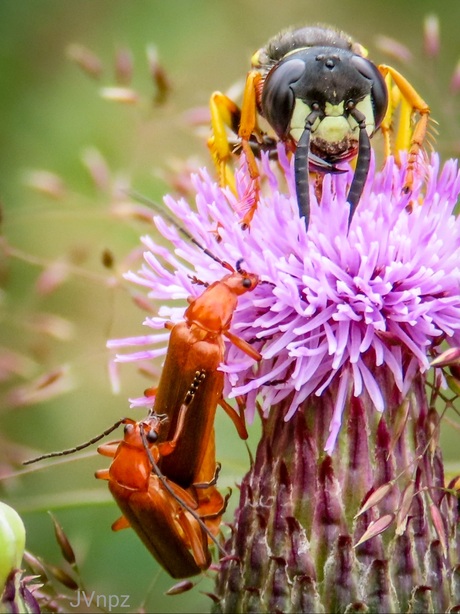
x,y
379,91
278,99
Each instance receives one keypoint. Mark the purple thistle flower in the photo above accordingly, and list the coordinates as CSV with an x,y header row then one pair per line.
x,y
337,305
348,318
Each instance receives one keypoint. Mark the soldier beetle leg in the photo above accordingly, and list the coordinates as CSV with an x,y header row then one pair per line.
x,y
108,449
197,282
211,504
120,524
212,481
237,419
244,346
103,474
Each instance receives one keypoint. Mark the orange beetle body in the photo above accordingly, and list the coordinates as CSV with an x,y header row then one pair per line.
x,y
163,478
196,350
161,517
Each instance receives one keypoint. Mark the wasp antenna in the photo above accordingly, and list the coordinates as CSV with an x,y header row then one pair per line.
x,y
81,446
150,203
364,158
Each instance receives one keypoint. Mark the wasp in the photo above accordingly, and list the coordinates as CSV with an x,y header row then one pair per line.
x,y
325,100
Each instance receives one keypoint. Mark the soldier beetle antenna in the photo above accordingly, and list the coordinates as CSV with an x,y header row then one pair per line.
x,y
166,485
86,444
81,446
153,205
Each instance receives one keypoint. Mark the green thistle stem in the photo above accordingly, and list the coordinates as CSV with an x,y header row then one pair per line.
x,y
297,543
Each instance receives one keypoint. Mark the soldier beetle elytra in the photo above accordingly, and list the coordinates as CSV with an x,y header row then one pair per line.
x,y
170,521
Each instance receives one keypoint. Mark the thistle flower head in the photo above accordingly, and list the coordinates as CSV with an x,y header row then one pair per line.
x,y
336,303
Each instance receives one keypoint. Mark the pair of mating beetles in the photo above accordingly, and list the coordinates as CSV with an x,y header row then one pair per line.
x,y
164,471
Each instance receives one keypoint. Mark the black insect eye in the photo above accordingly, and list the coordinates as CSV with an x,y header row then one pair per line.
x,y
247,283
379,88
278,99
152,436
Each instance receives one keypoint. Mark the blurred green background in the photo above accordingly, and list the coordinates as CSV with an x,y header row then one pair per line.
x,y
50,113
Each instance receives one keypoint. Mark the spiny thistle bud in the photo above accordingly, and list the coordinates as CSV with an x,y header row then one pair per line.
x,y
12,541
14,594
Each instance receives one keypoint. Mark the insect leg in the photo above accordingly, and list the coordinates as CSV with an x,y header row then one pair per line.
x,y
166,447
224,112
407,139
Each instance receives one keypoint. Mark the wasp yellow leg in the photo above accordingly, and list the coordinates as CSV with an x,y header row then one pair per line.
x,y
224,112
386,127
248,127
248,120
406,89
404,134
408,139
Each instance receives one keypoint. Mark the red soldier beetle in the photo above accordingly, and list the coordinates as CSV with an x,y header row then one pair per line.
x,y
170,521
195,352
